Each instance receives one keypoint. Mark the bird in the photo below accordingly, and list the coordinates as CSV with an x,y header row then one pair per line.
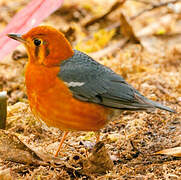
x,y
69,90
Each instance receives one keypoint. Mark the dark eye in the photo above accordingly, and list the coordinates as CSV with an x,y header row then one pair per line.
x,y
37,42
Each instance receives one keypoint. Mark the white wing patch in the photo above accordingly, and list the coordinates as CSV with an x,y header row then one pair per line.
x,y
74,84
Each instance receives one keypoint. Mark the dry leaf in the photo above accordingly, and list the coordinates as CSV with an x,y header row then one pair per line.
x,y
99,162
172,152
12,149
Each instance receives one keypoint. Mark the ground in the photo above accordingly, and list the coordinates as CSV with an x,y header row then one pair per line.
x,y
139,41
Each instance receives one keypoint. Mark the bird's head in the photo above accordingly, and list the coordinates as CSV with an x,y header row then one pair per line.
x,y
45,45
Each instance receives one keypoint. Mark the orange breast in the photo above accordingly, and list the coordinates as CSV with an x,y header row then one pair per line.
x,y
51,100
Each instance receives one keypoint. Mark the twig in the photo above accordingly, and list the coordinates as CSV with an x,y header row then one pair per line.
x,y
135,149
97,19
3,109
154,6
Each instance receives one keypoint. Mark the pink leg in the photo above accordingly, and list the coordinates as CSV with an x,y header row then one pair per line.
x,y
61,142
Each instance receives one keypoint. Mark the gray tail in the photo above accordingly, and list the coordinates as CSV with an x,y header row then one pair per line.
x,y
160,106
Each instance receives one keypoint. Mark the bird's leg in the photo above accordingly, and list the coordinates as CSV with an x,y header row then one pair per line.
x,y
61,142
97,134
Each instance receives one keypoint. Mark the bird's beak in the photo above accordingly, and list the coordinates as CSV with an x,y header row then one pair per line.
x,y
17,37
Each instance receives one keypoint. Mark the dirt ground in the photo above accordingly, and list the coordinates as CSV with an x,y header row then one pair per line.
x,y
140,41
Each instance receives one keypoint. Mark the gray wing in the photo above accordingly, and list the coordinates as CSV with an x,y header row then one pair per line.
x,y
92,82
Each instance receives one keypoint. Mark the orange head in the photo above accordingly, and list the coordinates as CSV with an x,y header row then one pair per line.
x,y
45,45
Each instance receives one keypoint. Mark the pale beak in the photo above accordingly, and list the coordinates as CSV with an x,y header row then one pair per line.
x,y
17,37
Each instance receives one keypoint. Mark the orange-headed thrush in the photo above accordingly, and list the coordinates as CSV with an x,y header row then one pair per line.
x,y
69,90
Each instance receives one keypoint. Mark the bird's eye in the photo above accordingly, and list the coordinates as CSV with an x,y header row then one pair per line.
x,y
37,42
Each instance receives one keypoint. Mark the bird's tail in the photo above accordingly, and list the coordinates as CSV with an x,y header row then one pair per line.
x,y
160,106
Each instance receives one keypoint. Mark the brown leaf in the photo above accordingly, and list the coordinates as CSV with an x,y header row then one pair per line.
x,y
12,149
115,6
99,162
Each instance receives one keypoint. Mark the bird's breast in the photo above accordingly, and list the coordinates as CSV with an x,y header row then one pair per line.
x,y
51,100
